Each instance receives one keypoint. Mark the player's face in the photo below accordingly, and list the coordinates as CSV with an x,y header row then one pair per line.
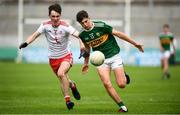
x,y
86,23
55,17
166,29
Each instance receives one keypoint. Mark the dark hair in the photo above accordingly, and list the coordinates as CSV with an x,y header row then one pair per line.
x,y
56,7
166,26
81,15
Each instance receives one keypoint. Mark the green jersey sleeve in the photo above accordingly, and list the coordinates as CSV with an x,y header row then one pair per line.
x,y
108,28
172,37
104,27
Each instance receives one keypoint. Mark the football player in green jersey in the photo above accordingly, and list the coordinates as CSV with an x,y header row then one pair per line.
x,y
166,40
100,36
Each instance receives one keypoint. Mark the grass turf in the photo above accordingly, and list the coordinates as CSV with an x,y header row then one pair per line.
x,y
33,88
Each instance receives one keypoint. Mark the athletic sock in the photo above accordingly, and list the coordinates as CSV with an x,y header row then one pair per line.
x,y
67,98
120,104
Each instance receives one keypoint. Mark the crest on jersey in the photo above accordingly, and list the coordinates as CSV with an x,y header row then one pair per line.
x,y
97,34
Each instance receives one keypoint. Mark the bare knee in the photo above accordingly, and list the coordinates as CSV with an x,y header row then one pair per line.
x,y
121,85
60,75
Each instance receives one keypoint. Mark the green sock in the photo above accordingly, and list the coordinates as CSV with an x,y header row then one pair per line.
x,y
120,104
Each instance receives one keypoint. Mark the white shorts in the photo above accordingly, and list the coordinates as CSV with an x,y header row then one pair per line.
x,y
166,54
113,62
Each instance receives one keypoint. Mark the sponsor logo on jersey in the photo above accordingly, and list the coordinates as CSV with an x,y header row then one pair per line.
x,y
98,41
165,41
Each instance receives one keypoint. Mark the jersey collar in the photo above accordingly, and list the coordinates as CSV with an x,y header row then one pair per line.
x,y
90,28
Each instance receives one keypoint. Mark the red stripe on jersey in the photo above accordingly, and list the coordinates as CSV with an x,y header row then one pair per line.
x,y
47,22
63,23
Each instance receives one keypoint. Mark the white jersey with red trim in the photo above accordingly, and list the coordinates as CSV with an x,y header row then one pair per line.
x,y
57,38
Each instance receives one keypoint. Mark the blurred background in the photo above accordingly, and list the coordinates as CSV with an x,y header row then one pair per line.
x,y
140,19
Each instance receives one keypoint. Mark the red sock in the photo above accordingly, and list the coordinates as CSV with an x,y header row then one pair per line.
x,y
67,98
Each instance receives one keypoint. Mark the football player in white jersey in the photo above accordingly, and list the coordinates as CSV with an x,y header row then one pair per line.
x,y
57,34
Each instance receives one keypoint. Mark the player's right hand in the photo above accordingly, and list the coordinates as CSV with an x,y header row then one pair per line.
x,y
23,45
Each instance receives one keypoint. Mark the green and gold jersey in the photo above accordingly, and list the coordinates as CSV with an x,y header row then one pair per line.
x,y
166,39
100,38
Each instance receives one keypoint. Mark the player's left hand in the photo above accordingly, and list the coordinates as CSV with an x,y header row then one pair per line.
x,y
140,47
85,68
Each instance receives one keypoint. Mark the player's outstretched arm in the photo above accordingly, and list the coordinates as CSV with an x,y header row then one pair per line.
x,y
123,36
29,40
81,44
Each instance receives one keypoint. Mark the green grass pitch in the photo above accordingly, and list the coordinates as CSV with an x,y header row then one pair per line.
x,y
34,89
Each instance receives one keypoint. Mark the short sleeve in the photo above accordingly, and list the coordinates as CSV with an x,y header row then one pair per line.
x,y
41,29
70,29
172,37
80,36
108,28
